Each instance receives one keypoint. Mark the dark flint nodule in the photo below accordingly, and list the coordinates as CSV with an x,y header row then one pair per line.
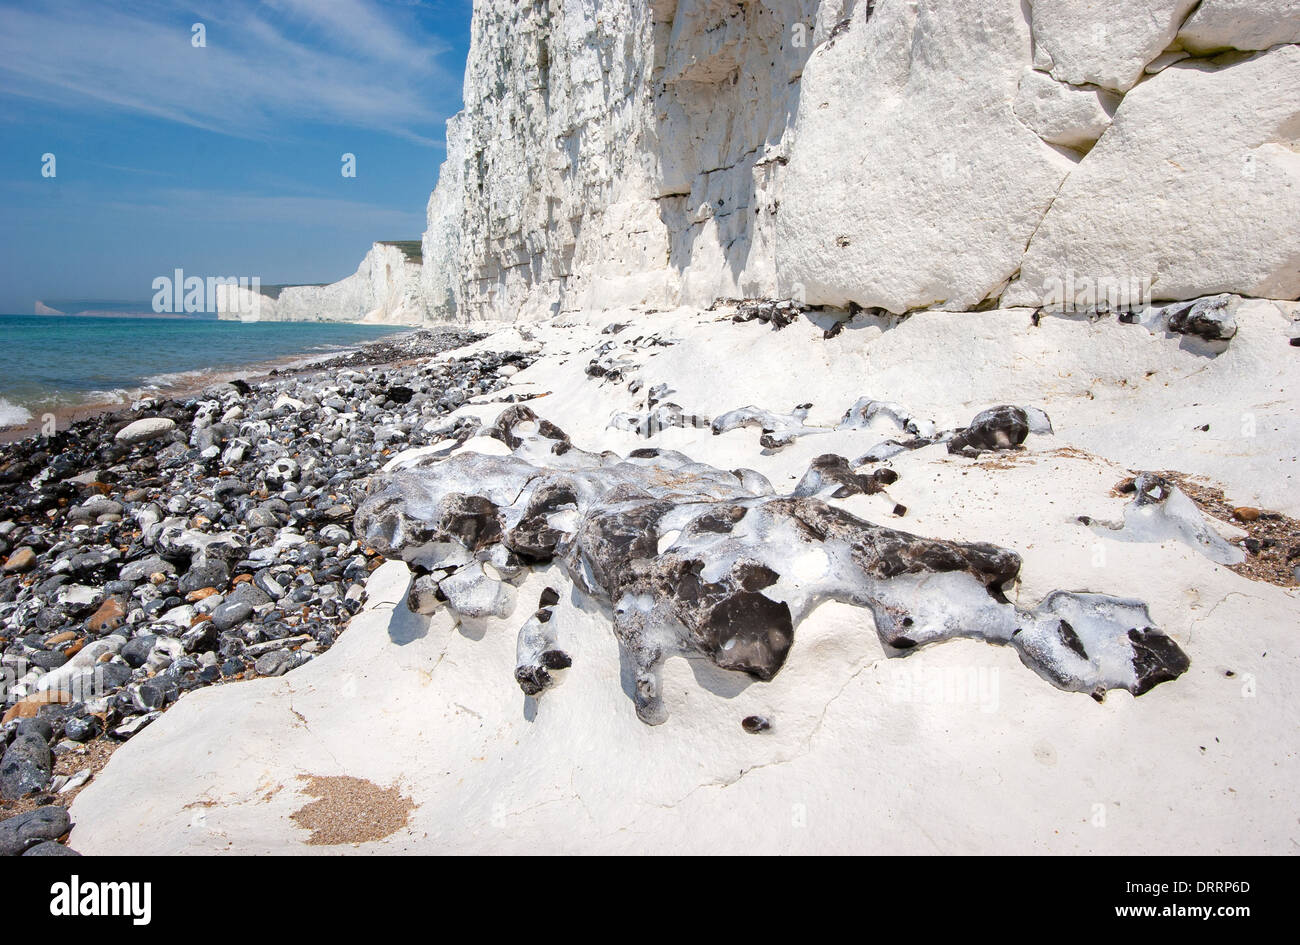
x,y
732,594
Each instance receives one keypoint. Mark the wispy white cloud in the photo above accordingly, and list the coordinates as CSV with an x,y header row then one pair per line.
x,y
339,62
357,26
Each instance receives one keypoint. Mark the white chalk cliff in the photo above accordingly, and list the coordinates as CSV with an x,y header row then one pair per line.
x,y
384,290
891,154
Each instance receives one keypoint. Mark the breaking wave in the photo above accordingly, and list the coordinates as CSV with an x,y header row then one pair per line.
x,y
12,415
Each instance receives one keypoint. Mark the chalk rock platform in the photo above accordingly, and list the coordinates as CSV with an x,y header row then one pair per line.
x,y
953,747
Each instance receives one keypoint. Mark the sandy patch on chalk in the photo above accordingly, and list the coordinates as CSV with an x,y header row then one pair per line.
x,y
351,810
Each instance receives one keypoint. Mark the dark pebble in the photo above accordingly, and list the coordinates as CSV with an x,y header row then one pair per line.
x,y
26,766
231,614
137,650
211,574
50,848
19,834
81,728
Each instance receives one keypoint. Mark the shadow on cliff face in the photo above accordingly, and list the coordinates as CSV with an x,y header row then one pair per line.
x,y
729,84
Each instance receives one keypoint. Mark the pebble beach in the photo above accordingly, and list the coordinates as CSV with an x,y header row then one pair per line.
x,y
190,541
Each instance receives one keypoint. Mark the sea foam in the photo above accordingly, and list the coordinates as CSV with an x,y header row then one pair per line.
x,y
12,415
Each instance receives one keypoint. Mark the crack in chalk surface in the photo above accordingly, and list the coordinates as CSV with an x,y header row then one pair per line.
x,y
302,720
724,783
1219,603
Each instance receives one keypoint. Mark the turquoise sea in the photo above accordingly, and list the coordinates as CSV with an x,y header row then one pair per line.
x,y
53,361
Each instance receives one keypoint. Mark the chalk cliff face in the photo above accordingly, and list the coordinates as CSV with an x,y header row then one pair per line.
x,y
616,153
889,153
384,290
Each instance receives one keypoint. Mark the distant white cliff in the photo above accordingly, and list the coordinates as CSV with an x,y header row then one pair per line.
x,y
384,290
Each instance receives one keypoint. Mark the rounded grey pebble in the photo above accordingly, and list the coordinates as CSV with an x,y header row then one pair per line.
x,y
81,728
231,614
19,833
47,659
246,593
37,726
211,574
50,848
137,650
275,663
109,676
26,767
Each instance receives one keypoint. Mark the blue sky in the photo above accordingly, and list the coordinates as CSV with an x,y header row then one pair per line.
x,y
222,160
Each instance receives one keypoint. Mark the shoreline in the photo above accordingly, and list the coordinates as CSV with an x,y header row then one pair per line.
x,y
252,373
